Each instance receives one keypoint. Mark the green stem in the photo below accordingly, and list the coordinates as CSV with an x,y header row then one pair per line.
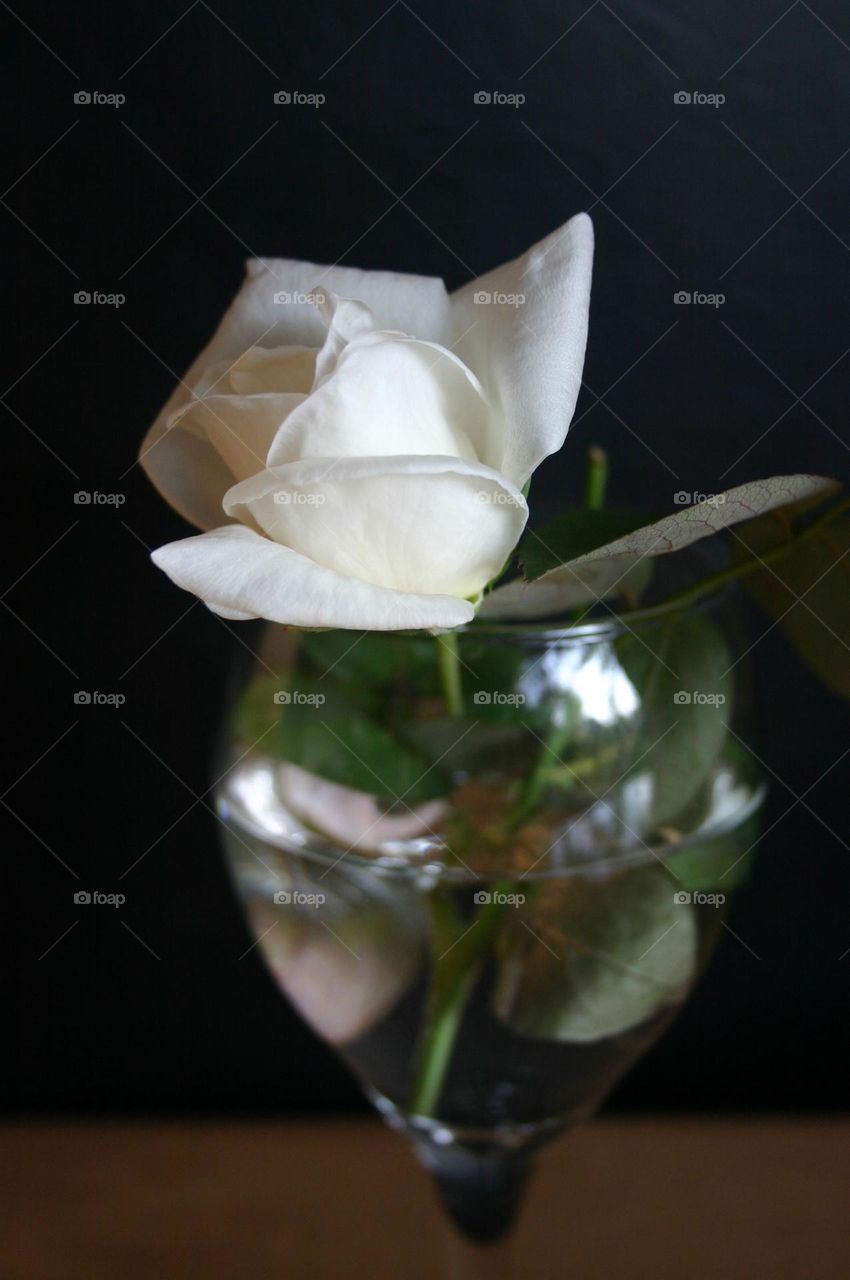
x,y
548,757
444,1017
460,948
596,478
448,657
447,1010
595,487
454,968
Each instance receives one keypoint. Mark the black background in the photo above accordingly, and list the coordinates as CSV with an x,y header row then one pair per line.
x,y
150,1008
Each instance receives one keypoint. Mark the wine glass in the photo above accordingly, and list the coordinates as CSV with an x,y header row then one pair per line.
x,y
489,868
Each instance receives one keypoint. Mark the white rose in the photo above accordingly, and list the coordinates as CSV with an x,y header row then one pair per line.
x,y
369,437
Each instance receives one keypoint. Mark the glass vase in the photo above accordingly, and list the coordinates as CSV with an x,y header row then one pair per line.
x,y
488,867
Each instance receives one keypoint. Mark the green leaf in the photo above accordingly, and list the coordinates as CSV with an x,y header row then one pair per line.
x,y
372,660
808,592
324,731
719,512
256,713
586,573
682,678
470,744
492,682
572,535
585,958
722,864
557,588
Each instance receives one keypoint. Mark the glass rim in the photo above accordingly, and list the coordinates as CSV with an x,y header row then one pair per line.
x,y
620,622
427,869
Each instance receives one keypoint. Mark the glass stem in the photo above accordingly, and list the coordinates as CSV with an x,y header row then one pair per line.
x,y
466,1260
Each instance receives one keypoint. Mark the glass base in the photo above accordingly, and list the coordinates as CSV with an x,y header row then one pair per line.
x,y
480,1176
481,1191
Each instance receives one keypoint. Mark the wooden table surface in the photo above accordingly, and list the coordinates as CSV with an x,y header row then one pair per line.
x,y
636,1199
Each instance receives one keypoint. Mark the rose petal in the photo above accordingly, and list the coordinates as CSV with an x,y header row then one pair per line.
x,y
229,425
345,972
241,429
417,304
347,320
353,818
529,357
388,395
273,369
239,573
189,473
428,524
